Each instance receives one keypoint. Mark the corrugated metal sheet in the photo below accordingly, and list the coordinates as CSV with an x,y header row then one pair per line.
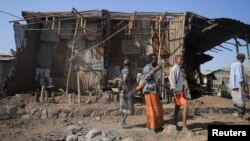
x,y
90,80
48,35
176,37
5,68
91,59
44,57
67,29
145,40
20,31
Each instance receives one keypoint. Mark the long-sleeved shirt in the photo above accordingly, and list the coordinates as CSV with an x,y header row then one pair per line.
x,y
149,80
236,75
176,78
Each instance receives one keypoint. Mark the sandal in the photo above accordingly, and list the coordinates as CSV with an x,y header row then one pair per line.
x,y
150,130
125,125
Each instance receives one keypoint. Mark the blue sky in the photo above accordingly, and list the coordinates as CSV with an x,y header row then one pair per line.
x,y
235,9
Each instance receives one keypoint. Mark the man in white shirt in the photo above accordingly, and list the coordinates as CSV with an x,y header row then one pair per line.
x,y
176,79
237,86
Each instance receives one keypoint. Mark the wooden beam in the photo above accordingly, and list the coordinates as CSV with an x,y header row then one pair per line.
x,y
225,48
234,44
230,43
53,23
237,45
217,49
131,24
209,27
213,51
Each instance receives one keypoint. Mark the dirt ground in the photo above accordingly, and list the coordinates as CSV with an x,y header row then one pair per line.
x,y
36,129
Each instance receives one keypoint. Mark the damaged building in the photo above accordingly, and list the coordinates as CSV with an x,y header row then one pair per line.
x,y
86,49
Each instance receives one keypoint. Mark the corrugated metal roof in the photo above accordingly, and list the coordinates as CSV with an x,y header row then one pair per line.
x,y
5,53
6,58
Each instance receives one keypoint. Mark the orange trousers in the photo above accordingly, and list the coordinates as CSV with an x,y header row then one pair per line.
x,y
154,111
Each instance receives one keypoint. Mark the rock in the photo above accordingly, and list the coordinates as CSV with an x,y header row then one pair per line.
x,y
35,113
3,114
44,113
25,116
89,101
62,114
170,131
81,138
93,133
87,112
105,139
118,138
71,138
98,118
128,139
14,111
71,114
81,122
53,113
73,129
198,133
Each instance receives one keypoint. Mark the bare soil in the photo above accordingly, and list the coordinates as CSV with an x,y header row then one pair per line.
x,y
34,129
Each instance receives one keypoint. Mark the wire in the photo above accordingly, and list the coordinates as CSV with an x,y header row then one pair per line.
x,y
11,14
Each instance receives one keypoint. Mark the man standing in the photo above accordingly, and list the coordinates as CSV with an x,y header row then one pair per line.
x,y
154,109
237,85
223,89
176,79
126,102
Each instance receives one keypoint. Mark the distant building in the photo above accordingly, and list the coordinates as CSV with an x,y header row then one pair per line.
x,y
6,63
213,79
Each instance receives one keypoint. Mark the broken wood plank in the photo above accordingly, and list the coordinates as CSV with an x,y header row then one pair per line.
x,y
210,27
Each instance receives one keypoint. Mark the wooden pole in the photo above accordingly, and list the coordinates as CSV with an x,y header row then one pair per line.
x,y
36,95
247,46
159,55
46,95
42,93
59,28
53,23
248,64
78,87
53,96
237,45
72,54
